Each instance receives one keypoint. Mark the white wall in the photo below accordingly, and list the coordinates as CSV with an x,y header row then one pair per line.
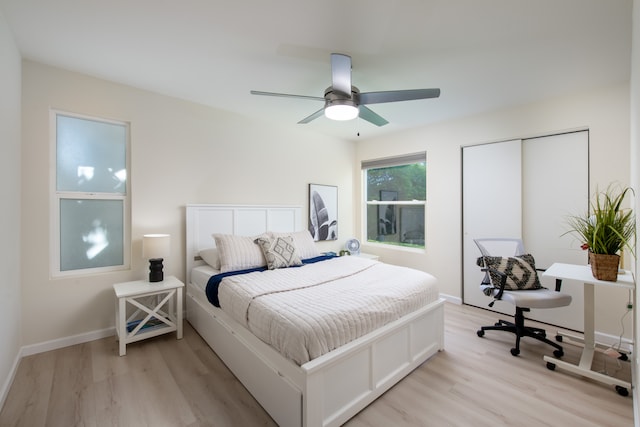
x,y
635,175
181,153
605,112
10,83
186,153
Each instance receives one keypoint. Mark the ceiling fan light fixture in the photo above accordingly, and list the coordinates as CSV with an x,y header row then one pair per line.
x,y
343,101
341,110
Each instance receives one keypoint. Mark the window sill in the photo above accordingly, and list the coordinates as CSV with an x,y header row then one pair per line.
x,y
393,247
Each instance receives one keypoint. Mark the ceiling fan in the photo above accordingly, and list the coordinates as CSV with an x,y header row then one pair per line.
x,y
343,101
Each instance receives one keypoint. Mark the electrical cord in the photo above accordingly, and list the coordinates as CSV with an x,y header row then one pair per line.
x,y
617,347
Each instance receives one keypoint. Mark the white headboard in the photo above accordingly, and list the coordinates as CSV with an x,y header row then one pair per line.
x,y
242,220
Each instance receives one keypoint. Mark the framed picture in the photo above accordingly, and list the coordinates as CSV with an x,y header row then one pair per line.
x,y
323,212
387,223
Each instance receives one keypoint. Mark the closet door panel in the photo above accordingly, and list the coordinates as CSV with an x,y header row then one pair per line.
x,y
492,207
555,184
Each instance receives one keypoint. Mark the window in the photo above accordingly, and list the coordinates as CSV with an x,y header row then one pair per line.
x,y
90,207
395,196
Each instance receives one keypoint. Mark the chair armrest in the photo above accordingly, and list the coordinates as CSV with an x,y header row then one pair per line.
x,y
558,281
558,284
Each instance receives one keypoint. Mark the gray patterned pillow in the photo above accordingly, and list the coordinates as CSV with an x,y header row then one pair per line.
x,y
279,252
520,270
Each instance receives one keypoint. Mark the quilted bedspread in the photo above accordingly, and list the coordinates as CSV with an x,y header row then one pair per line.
x,y
305,312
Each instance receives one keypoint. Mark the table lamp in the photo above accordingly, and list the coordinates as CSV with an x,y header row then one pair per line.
x,y
155,247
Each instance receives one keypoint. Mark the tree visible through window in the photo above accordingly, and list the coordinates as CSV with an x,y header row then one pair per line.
x,y
395,199
91,197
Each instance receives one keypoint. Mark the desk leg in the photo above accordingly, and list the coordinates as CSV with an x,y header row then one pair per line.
x,y
589,327
586,359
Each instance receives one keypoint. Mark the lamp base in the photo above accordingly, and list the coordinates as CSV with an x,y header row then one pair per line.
x,y
155,270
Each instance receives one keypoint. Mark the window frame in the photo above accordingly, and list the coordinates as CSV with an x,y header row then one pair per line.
x,y
56,197
407,159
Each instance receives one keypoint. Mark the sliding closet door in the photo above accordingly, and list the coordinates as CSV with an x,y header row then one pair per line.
x,y
538,183
555,177
492,204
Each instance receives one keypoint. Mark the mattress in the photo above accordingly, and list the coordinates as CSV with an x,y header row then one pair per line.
x,y
305,312
200,276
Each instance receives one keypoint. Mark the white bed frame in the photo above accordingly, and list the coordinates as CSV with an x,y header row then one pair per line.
x,y
328,390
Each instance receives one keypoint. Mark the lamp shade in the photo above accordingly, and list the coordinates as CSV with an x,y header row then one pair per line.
x,y
156,246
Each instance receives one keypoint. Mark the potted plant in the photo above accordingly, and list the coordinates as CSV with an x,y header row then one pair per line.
x,y
605,231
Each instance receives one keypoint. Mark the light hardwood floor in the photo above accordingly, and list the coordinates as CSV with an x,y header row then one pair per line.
x,y
166,382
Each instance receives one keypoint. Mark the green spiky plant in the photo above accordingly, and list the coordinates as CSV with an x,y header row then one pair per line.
x,y
608,228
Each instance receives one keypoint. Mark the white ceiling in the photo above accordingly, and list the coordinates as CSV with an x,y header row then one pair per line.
x,y
482,54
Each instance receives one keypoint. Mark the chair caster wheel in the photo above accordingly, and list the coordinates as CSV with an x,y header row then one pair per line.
x,y
480,333
559,338
551,366
515,352
558,353
623,357
622,391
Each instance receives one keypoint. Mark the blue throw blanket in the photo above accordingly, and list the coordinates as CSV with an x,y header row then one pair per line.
x,y
214,281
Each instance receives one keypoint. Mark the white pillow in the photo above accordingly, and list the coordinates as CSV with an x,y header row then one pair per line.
x,y
238,252
211,257
302,240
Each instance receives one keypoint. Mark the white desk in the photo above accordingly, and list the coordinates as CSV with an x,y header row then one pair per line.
x,y
582,273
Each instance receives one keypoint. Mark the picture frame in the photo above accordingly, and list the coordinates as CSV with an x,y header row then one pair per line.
x,y
323,212
387,221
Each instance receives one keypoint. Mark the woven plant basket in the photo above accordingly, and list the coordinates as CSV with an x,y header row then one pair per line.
x,y
604,267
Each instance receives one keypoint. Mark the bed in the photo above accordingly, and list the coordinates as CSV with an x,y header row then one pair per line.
x,y
332,386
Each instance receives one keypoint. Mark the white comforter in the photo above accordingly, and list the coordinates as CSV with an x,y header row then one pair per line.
x,y
307,311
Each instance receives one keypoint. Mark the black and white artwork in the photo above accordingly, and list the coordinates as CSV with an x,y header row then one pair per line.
x,y
387,223
323,212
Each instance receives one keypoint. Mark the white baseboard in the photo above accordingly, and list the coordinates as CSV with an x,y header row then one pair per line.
x,y
614,341
28,350
7,384
452,299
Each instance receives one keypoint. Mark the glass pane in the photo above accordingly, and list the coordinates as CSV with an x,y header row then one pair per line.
x,y
91,155
406,183
91,233
396,225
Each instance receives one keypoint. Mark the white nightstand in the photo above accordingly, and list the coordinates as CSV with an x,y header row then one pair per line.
x,y
158,310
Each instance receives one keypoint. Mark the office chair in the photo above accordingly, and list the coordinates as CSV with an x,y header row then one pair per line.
x,y
511,276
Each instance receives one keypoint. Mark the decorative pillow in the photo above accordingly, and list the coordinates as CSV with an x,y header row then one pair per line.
x,y
238,252
303,241
280,252
210,256
520,270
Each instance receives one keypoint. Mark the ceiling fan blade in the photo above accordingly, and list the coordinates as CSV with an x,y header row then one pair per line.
x,y
368,115
341,73
398,95
314,116
286,95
